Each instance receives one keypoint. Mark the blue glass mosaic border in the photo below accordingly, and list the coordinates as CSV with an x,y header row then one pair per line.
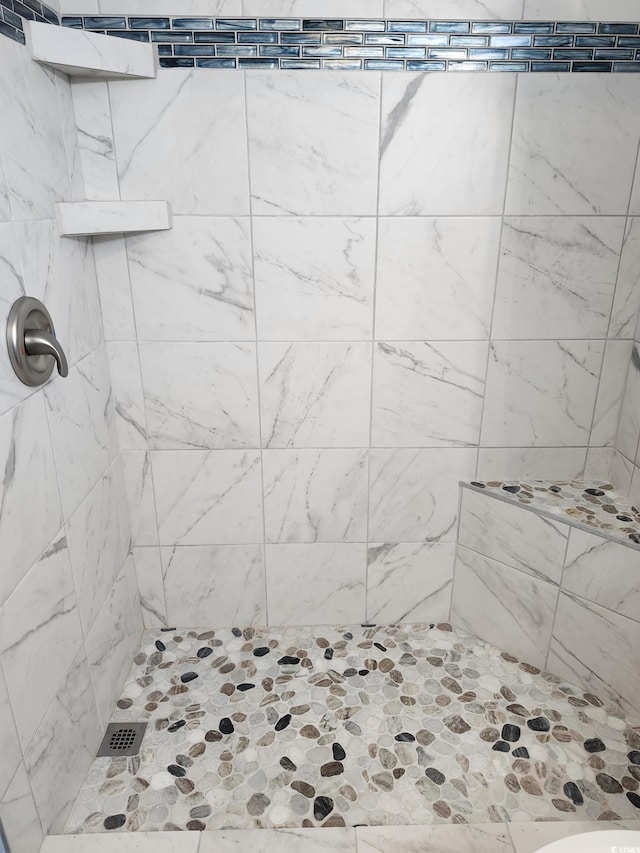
x,y
360,44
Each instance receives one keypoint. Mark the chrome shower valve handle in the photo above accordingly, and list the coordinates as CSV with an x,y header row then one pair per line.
x,y
33,347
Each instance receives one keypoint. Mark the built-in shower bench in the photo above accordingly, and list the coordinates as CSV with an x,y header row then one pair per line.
x,y
551,571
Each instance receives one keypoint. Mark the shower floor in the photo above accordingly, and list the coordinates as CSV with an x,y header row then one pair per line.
x,y
343,726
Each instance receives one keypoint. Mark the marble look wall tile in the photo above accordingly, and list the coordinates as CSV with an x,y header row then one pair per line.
x,y
557,277
150,586
586,648
112,270
31,137
96,548
309,8
204,497
95,139
525,540
315,394
409,582
580,10
598,463
25,452
532,837
563,124
617,355
315,495
330,840
19,815
634,488
626,304
156,162
70,135
477,838
503,606
314,278
540,393
428,394
193,283
539,463
603,572
80,432
12,391
113,640
140,498
313,143
413,495
430,168
629,426
621,474
5,208
316,584
36,651
122,506
216,408
436,277
9,742
214,585
61,273
133,842
62,750
128,397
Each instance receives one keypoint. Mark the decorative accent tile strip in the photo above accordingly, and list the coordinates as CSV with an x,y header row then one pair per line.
x,y
12,13
379,45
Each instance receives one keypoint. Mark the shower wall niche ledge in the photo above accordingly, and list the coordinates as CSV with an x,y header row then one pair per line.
x,y
86,218
86,54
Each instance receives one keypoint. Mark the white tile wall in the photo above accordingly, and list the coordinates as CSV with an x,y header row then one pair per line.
x,y
69,617
327,345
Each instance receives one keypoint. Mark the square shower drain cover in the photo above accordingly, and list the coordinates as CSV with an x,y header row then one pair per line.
x,y
122,739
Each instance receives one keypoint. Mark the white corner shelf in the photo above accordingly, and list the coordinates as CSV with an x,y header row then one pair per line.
x,y
86,54
84,218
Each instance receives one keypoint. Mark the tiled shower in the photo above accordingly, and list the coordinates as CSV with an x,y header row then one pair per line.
x,y
377,283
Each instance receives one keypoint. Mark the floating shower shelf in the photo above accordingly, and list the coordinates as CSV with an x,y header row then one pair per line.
x,y
86,54
83,218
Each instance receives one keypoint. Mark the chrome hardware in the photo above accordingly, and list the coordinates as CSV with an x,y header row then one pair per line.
x,y
32,344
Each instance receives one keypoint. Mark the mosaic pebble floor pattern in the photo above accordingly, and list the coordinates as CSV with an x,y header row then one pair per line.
x,y
334,726
596,507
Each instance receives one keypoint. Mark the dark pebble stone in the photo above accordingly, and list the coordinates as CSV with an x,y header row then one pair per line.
x,y
338,752
405,737
478,485
348,635
175,726
510,732
594,744
520,752
380,646
188,676
350,671
287,764
634,799
635,537
598,493
572,792
204,652
328,654
513,490
608,784
363,672
115,821
236,632
332,768
435,775
555,489
283,722
367,624
161,648
226,726
624,518
212,737
245,686
261,651
195,826
539,724
634,756
200,812
322,807
288,660
167,630
501,746
175,770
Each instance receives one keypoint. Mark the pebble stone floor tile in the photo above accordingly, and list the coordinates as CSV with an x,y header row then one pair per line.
x,y
351,725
